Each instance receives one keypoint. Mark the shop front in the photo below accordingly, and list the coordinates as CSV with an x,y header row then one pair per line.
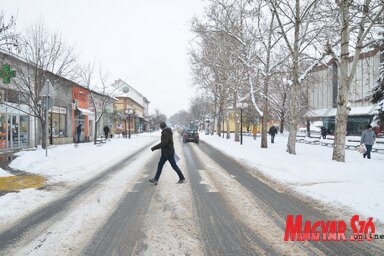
x,y
81,114
58,125
14,129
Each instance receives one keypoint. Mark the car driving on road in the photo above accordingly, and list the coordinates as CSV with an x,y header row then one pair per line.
x,y
191,135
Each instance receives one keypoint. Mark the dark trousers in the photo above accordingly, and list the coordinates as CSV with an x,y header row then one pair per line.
x,y
368,153
78,137
171,159
272,138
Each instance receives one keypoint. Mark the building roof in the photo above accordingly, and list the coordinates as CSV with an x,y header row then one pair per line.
x,y
357,111
132,93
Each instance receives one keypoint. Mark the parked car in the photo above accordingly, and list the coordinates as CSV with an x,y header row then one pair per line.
x,y
191,135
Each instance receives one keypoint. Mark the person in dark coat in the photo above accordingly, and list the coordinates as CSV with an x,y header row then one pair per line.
x,y
273,131
78,132
106,131
368,139
323,132
167,154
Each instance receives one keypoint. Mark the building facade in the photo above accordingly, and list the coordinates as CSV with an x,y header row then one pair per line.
x,y
322,96
19,126
130,110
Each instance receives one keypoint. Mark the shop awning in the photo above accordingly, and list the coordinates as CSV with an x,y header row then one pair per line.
x,y
84,111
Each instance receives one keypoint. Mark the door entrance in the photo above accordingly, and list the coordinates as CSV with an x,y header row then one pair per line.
x,y
13,131
17,127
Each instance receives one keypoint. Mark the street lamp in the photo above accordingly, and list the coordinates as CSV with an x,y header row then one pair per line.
x,y
128,113
241,105
207,130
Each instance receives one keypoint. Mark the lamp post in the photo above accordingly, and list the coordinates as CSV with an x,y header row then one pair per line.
x,y
125,122
129,113
241,105
207,130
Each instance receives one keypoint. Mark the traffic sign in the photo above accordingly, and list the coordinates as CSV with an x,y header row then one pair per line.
x,y
47,90
47,103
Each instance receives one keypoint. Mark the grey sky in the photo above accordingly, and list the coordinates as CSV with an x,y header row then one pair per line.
x,y
142,42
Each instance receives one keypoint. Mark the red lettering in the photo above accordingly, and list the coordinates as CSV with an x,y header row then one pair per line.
x,y
324,229
315,232
332,231
341,228
293,228
353,226
307,231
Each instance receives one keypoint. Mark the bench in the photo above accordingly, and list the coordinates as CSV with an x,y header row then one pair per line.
x,y
378,147
312,140
100,141
352,144
327,142
300,138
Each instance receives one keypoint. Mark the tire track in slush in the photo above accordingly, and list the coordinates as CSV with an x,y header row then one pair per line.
x,y
279,205
221,232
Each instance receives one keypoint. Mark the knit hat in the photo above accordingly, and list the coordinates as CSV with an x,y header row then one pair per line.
x,y
163,125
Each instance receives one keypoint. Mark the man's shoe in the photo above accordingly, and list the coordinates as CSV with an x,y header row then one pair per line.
x,y
181,181
154,181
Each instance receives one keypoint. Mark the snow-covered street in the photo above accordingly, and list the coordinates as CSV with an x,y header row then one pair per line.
x,y
170,226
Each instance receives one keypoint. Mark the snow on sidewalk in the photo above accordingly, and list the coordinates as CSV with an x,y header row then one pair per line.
x,y
65,167
356,185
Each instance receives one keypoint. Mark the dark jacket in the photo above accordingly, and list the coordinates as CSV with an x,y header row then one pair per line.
x,y
78,130
273,130
106,129
166,144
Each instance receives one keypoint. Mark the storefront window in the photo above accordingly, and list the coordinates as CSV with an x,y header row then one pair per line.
x,y
355,125
24,138
3,131
57,122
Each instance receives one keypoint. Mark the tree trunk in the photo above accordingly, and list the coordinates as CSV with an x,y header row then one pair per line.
x,y
295,88
237,121
342,114
342,93
228,129
43,133
219,125
282,124
264,132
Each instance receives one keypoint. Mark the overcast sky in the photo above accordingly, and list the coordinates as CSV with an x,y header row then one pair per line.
x,y
142,42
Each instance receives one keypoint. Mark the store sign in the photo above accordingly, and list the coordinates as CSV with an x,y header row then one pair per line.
x,y
55,109
59,110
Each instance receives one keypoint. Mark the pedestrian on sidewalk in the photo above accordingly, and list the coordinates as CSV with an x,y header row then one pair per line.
x,y
272,132
254,132
167,154
368,139
323,132
78,132
106,131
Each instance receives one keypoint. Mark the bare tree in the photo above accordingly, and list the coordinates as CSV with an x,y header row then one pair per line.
x,y
9,38
355,22
200,108
102,93
301,26
43,56
158,117
182,117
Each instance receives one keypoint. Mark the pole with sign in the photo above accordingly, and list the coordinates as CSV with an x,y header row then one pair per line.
x,y
47,93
